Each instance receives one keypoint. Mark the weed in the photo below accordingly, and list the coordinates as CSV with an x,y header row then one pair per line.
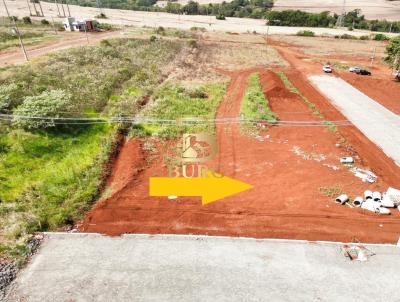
x,y
331,191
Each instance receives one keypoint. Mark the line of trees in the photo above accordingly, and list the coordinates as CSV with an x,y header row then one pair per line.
x,y
352,20
236,8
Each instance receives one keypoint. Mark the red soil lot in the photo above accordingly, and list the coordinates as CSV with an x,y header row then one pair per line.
x,y
286,201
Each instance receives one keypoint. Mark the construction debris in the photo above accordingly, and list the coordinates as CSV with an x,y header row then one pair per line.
x,y
357,252
365,175
347,160
342,199
374,201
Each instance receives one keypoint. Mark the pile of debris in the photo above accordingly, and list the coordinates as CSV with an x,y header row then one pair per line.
x,y
375,201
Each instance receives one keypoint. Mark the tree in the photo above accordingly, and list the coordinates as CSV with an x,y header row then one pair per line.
x,y
8,96
42,111
192,8
393,53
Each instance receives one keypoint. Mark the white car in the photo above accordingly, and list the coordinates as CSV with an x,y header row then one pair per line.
x,y
354,69
327,68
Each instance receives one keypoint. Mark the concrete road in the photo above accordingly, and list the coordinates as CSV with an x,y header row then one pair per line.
x,y
91,267
379,124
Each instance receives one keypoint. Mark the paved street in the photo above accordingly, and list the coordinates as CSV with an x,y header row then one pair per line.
x,y
91,267
376,122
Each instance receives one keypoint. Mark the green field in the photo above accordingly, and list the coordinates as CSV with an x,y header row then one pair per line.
x,y
51,173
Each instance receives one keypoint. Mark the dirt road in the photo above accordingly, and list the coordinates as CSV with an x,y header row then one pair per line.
x,y
154,19
70,40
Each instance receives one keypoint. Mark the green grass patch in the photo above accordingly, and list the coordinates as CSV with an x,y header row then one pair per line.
x,y
178,102
49,180
254,105
49,177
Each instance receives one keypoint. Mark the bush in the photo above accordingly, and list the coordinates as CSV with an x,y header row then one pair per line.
x,y
192,43
393,53
8,96
364,37
305,33
160,31
101,16
220,17
153,38
27,20
49,105
44,22
380,37
104,26
346,37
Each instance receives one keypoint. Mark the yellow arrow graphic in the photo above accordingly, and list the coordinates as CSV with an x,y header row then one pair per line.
x,y
209,188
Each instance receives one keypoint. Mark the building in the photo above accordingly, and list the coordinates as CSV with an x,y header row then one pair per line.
x,y
70,24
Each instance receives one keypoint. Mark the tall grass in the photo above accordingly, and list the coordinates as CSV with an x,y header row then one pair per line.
x,y
176,102
254,105
48,179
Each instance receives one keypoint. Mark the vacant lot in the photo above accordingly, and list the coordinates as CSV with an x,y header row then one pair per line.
x,y
295,169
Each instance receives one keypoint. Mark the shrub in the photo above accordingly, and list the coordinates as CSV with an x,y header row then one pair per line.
x,y
346,37
104,26
101,16
364,37
8,96
153,38
14,18
44,22
160,31
49,105
220,17
380,37
105,43
192,43
27,20
305,33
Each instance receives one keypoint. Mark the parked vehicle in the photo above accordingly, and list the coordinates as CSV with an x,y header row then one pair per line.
x,y
327,69
363,72
354,69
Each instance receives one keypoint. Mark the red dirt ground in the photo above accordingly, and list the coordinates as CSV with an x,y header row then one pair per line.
x,y
380,86
286,201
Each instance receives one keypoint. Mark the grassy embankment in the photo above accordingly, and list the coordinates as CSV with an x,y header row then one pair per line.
x,y
51,175
255,106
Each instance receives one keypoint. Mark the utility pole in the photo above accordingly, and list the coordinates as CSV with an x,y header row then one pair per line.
x,y
41,10
16,31
87,37
69,13
20,41
54,26
30,11
34,7
373,56
5,6
340,19
62,6
58,9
